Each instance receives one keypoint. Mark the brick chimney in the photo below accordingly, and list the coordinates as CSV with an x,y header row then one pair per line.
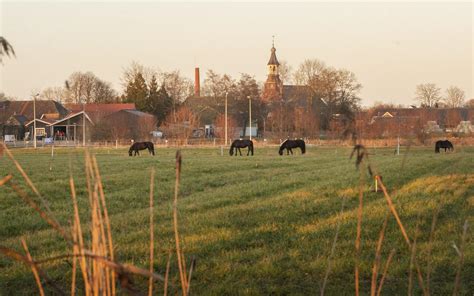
x,y
197,84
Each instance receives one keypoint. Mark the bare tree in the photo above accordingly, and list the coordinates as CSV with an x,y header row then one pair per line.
x,y
307,71
454,97
86,87
181,124
220,126
428,94
469,103
177,86
5,48
55,93
135,68
284,70
216,85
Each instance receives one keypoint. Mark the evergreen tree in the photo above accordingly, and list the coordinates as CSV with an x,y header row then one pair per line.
x,y
159,102
137,92
152,101
165,104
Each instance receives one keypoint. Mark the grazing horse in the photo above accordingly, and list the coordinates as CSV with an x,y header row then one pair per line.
x,y
141,146
448,146
237,144
290,144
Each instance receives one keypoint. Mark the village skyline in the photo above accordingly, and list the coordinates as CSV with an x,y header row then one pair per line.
x,y
389,57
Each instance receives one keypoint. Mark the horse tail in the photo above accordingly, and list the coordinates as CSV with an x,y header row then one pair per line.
x,y
303,147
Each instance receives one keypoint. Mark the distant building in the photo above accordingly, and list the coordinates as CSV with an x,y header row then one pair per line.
x,y
293,110
102,121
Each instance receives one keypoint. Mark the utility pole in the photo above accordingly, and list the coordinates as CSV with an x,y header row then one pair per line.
x,y
34,119
225,118
250,117
83,124
398,140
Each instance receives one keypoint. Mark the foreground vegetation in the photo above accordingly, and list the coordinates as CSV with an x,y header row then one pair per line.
x,y
256,225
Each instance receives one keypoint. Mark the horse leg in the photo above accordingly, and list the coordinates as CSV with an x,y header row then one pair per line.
x,y
240,152
291,151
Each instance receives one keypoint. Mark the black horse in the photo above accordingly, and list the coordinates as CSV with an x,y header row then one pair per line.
x,y
141,146
290,144
448,146
237,144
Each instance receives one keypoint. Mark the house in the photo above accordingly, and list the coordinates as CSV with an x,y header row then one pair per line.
x,y
52,119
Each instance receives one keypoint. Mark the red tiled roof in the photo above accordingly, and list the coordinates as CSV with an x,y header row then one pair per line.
x,y
105,108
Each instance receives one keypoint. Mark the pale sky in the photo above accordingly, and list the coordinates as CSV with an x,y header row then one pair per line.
x,y
391,47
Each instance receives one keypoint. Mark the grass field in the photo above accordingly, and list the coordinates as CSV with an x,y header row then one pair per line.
x,y
256,225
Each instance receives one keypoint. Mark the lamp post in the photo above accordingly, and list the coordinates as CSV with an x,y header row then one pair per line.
x,y
83,124
250,117
225,118
34,119
75,134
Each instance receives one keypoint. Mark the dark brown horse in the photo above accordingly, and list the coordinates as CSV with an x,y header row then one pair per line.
x,y
141,146
290,144
447,145
237,144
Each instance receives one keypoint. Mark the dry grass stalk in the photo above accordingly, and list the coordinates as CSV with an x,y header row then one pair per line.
x,y
33,267
123,269
402,228
412,260
51,220
393,210
18,257
430,245
5,180
457,282
74,258
333,248
106,219
150,283
191,268
375,268
359,231
97,268
385,270
165,289
182,269
79,238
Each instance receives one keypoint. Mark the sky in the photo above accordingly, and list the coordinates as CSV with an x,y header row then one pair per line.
x,y
390,46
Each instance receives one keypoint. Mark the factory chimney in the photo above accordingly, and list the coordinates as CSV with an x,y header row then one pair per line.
x,y
197,84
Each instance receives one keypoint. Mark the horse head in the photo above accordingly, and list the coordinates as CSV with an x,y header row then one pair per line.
x,y
280,151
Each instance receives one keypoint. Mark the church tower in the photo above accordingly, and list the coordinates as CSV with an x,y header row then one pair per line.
x,y
272,90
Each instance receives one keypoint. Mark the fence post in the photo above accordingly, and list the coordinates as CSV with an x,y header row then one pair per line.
x,y
222,151
116,144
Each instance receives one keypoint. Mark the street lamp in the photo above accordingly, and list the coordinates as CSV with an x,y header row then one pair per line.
x,y
83,124
34,119
225,118
250,117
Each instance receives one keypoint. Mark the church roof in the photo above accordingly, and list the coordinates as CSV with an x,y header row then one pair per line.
x,y
297,92
273,59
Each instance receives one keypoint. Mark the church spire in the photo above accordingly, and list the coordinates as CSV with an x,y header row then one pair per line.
x,y
273,59
273,87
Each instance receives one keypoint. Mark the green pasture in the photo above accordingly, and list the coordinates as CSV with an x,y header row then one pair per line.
x,y
261,225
